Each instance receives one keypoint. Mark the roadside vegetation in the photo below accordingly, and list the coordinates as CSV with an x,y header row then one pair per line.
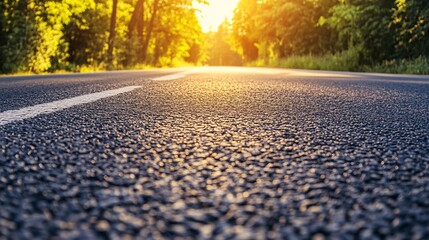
x,y
89,35
345,35
345,62
39,36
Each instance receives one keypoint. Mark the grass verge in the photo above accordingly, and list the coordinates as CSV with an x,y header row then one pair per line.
x,y
347,61
418,65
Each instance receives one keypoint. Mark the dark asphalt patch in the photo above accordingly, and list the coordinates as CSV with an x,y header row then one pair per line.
x,y
222,156
25,91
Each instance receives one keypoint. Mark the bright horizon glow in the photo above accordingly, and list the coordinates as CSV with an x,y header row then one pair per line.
x,y
211,15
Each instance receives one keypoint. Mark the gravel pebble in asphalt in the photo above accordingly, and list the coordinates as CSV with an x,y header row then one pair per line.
x,y
224,156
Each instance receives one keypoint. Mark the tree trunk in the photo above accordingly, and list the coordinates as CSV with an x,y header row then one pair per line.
x,y
140,22
112,33
150,29
137,22
136,17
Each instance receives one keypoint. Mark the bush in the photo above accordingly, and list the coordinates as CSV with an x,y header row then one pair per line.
x,y
419,65
348,61
343,61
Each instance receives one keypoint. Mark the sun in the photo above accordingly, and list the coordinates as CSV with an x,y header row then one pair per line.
x,y
211,15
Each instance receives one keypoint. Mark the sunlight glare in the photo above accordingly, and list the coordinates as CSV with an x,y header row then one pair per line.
x,y
211,15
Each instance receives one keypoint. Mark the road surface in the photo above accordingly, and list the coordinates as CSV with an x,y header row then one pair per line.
x,y
223,153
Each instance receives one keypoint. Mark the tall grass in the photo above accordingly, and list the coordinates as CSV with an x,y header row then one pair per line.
x,y
344,61
347,61
418,65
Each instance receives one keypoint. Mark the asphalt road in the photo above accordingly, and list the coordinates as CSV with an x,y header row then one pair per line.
x,y
220,153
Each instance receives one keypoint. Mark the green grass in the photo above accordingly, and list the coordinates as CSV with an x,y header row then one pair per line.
x,y
344,61
347,61
418,65
103,68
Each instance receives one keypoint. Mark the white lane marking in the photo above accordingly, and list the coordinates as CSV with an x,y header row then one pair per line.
x,y
177,75
45,108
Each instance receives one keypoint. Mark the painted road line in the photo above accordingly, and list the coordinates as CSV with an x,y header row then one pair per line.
x,y
177,75
45,108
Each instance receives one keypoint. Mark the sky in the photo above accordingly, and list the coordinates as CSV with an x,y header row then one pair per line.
x,y
212,15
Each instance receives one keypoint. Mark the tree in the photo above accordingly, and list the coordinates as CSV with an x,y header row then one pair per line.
x,y
3,39
136,24
280,28
86,35
221,53
168,29
364,25
112,33
245,30
411,21
34,33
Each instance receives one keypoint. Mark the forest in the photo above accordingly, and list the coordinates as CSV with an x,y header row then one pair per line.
x,y
40,36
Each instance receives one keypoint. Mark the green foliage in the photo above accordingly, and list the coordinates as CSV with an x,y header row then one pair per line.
x,y
177,35
364,23
346,61
418,65
14,40
342,61
333,34
86,35
33,33
73,35
244,29
279,28
220,51
2,36
50,35
411,20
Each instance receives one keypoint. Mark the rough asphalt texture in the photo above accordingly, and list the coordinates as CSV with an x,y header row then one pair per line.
x,y
219,154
